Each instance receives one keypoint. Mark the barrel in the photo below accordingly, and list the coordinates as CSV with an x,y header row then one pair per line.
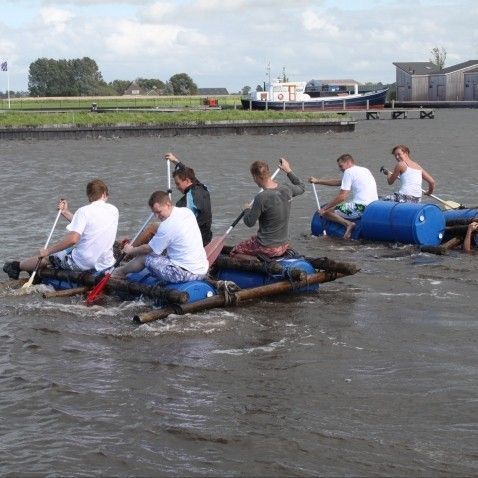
x,y
408,223
197,290
319,224
249,279
464,214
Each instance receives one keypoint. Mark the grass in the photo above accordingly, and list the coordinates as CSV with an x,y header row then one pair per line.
x,y
18,118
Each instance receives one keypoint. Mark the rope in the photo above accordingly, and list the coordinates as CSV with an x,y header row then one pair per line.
x,y
228,288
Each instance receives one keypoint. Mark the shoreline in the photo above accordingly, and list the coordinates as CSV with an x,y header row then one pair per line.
x,y
213,128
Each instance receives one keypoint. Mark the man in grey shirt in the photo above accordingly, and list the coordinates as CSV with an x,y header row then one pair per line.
x,y
271,207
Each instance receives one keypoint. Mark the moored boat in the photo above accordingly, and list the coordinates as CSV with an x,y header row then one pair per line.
x,y
314,96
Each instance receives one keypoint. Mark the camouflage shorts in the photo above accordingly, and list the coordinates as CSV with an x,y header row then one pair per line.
x,y
350,210
167,272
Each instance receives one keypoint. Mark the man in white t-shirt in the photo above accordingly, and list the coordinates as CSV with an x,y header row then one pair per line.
x,y
360,182
176,252
88,245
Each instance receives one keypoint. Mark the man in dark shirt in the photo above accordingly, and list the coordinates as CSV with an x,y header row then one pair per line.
x,y
271,207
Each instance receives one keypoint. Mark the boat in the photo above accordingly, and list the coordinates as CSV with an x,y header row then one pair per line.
x,y
316,95
232,281
425,225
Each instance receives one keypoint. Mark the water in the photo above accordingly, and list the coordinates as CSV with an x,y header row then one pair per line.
x,y
374,375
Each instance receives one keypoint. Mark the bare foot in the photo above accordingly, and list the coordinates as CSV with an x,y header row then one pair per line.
x,y
348,231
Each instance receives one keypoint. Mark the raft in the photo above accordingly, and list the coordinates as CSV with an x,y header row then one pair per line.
x,y
231,281
389,221
457,221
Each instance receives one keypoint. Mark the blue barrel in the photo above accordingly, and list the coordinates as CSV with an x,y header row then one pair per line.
x,y
197,290
334,229
455,214
248,279
408,223
465,214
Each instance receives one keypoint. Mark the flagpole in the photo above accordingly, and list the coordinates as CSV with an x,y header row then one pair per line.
x,y
8,87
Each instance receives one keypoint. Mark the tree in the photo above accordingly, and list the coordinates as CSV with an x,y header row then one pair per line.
x,y
245,90
49,77
259,88
183,84
438,56
151,84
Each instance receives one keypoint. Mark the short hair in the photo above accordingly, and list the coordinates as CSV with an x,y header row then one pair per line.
x,y
160,197
260,169
345,157
404,148
95,189
185,173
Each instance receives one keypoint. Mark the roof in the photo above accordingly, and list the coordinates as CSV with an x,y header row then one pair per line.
x,y
336,82
418,67
460,66
212,91
427,67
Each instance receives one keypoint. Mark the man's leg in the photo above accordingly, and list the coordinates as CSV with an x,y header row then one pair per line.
x,y
349,225
135,265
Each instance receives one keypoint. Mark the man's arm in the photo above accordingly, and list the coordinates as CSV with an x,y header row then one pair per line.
x,y
69,240
325,182
340,198
472,228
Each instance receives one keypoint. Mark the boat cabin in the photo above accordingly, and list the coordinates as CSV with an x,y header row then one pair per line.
x,y
319,88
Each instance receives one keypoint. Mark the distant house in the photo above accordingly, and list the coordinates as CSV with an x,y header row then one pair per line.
x,y
135,90
212,91
424,81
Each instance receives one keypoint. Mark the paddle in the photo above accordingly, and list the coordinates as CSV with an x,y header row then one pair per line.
x,y
214,248
98,288
30,281
318,203
447,204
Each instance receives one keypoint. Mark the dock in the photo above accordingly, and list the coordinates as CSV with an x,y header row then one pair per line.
x,y
389,113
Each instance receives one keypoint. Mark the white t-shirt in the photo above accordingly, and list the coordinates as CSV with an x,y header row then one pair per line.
x,y
97,224
360,181
180,236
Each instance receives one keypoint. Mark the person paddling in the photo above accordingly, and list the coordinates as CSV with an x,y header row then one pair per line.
x,y
355,179
175,253
271,208
196,197
410,174
88,245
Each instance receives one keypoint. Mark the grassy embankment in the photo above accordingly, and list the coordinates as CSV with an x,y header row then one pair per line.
x,y
27,112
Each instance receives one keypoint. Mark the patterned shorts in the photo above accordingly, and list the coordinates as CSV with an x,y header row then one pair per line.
x,y
63,260
350,210
167,272
252,247
397,197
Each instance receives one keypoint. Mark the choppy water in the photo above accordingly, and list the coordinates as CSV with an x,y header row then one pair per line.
x,y
375,375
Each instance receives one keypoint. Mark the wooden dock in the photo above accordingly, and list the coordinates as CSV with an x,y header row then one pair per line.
x,y
389,113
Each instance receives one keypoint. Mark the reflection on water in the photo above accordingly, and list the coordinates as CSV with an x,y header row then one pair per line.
x,y
373,375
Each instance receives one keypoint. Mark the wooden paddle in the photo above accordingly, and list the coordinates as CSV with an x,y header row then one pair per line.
x,y
30,281
214,248
98,289
447,204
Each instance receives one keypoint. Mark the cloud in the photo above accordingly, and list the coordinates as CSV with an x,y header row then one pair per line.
x,y
56,18
312,22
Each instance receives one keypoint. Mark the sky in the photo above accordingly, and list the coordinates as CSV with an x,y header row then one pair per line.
x,y
230,43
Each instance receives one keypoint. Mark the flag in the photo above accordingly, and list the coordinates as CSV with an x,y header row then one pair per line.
x,y
4,66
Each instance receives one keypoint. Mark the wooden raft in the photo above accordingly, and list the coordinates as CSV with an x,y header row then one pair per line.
x,y
227,298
